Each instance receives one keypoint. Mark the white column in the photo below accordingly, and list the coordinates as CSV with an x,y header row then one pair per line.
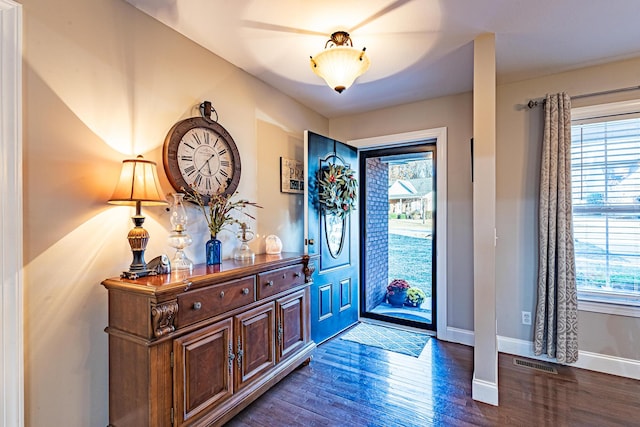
x,y
485,374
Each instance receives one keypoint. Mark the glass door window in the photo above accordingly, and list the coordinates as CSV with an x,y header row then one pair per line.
x,y
398,222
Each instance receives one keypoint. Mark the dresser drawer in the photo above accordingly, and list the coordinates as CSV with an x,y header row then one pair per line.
x,y
204,303
276,281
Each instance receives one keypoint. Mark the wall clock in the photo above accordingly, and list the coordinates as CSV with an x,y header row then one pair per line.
x,y
200,155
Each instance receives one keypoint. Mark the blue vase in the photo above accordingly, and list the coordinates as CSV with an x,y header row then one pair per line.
x,y
214,251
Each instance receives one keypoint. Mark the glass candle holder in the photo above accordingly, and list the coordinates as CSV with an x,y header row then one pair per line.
x,y
179,238
244,252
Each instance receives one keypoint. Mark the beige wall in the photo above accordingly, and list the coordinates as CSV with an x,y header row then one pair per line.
x,y
102,82
519,132
518,160
455,113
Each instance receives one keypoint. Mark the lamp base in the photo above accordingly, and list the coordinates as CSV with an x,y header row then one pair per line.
x,y
133,275
138,238
158,265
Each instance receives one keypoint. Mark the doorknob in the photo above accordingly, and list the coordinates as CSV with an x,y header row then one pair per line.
x,y
309,241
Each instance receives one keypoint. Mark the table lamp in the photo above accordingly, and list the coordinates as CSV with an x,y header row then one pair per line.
x,y
138,185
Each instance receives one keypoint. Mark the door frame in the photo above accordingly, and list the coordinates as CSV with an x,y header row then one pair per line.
x,y
11,297
425,146
413,138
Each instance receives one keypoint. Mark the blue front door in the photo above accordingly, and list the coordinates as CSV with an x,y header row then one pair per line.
x,y
334,292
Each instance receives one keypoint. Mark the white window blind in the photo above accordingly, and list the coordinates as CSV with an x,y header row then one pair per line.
x,y
605,166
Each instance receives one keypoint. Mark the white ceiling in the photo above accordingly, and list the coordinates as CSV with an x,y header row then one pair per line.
x,y
419,49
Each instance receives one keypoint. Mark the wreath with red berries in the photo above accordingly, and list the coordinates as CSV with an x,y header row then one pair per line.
x,y
338,189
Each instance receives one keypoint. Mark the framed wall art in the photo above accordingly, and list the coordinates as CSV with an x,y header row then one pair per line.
x,y
291,176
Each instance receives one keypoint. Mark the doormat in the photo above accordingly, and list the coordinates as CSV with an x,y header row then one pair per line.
x,y
387,338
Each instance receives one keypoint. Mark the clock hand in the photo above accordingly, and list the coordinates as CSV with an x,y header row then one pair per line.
x,y
207,163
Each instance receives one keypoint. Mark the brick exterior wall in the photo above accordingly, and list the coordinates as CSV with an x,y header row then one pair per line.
x,y
376,245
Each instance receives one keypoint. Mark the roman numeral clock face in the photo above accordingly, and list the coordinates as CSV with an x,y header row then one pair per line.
x,y
201,155
205,161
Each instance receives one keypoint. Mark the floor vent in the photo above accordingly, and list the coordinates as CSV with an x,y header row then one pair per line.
x,y
535,365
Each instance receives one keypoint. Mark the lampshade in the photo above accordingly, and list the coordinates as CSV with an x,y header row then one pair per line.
x,y
339,64
138,184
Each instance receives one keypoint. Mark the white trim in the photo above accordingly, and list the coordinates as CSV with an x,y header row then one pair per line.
x,y
305,211
11,298
460,336
408,138
484,391
405,138
613,365
609,364
605,110
608,307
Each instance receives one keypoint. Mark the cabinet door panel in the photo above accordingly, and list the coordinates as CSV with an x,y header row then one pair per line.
x,y
255,351
202,373
291,324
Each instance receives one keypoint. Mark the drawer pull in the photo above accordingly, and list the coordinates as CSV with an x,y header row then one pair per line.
x,y
231,358
284,276
197,305
270,283
245,291
297,274
221,294
240,354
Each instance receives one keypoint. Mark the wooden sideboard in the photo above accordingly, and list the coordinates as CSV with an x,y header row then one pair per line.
x,y
194,349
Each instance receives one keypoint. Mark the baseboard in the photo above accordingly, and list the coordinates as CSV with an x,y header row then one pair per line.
x,y
456,335
484,391
629,368
620,366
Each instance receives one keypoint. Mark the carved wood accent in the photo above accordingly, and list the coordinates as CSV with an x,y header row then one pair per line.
x,y
163,316
309,268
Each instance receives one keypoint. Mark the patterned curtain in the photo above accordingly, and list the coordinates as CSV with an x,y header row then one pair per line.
x,y
556,327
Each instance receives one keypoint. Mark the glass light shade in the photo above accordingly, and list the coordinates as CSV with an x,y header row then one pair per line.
x,y
138,183
179,238
178,213
340,66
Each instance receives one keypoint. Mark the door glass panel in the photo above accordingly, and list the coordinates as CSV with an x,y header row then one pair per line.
x,y
335,227
399,220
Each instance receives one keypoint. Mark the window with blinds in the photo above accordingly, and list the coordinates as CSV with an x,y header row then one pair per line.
x,y
605,174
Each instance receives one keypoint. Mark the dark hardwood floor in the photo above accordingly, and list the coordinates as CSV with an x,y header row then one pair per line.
x,y
349,384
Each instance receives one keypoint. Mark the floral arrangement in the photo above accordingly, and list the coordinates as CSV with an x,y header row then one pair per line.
x,y
220,208
337,189
397,285
415,297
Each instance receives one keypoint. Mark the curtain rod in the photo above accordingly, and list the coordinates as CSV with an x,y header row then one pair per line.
x,y
534,102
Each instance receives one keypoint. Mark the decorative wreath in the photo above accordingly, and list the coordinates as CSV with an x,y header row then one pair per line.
x,y
337,189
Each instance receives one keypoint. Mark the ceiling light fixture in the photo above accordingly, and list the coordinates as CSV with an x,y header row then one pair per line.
x,y
339,64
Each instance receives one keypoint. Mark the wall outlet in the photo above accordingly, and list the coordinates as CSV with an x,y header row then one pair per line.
x,y
526,317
